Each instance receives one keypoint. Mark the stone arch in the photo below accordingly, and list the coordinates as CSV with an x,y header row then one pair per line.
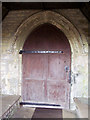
x,y
53,18
70,31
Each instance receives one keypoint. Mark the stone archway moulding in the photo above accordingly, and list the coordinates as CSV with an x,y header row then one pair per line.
x,y
53,18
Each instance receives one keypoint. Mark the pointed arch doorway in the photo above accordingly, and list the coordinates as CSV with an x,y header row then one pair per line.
x,y
46,75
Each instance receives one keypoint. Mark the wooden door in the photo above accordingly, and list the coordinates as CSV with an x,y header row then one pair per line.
x,y
45,75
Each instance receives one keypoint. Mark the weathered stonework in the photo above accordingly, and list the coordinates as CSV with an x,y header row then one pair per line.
x,y
19,24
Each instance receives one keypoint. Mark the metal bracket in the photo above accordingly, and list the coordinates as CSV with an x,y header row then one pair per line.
x,y
41,104
23,51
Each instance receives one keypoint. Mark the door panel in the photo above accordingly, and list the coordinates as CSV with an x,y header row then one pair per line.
x,y
35,73
34,66
56,80
35,90
55,67
56,92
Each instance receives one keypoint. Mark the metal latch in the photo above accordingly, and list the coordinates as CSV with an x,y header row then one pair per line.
x,y
69,77
66,68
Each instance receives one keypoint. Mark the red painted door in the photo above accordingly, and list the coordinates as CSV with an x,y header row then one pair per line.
x,y
44,74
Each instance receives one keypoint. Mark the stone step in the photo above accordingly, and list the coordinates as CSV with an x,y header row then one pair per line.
x,y
24,112
47,113
9,103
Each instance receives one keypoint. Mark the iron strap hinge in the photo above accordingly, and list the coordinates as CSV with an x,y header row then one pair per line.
x,y
23,51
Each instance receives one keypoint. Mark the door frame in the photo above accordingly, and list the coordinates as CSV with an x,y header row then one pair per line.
x,y
41,17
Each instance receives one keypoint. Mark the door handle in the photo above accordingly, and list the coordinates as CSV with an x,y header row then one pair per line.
x,y
69,72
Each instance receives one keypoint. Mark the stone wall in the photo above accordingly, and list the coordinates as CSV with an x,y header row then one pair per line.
x,y
11,77
80,61
16,27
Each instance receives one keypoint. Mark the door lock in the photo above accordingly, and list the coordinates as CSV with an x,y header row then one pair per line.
x,y
66,68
